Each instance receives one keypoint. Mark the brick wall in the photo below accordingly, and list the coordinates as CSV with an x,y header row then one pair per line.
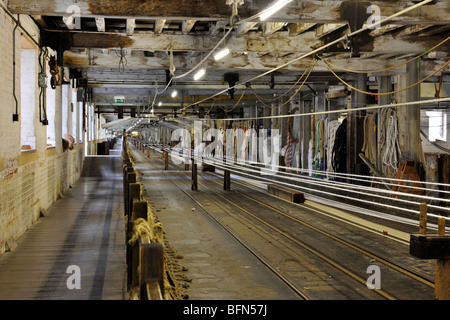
x,y
30,182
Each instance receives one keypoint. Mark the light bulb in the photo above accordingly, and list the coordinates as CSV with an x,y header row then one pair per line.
x,y
273,8
222,53
199,74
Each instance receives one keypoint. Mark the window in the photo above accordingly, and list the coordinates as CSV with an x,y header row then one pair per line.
x,y
437,125
65,109
74,110
28,88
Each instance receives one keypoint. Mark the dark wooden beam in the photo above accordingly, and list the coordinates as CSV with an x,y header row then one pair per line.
x,y
307,11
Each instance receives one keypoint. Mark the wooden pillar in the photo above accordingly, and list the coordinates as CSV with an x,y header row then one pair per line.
x,y
151,271
226,180
166,160
194,176
409,117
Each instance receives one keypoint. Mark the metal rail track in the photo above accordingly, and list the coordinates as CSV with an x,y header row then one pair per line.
x,y
402,269
266,263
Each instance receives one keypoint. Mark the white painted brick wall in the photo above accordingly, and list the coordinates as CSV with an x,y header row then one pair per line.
x,y
29,189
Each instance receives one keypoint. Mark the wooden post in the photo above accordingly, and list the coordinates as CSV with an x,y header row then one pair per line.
x,y
148,152
134,195
140,211
226,180
166,160
151,264
194,176
131,178
423,219
441,226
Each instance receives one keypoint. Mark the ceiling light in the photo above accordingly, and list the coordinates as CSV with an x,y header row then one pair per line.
x,y
159,104
199,74
174,93
222,53
273,8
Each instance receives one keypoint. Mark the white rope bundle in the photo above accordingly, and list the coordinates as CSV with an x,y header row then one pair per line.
x,y
390,157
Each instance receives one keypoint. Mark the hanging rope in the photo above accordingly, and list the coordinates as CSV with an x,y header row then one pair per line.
x,y
392,67
123,60
383,93
310,69
390,157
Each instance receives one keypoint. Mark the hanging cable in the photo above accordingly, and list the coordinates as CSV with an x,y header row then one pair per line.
x,y
384,93
16,115
315,51
366,108
204,59
392,67
290,89
310,69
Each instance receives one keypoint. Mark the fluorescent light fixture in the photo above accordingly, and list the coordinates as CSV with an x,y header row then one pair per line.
x,y
273,9
199,74
222,53
174,93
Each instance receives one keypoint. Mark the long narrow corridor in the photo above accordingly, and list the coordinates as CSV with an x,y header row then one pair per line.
x,y
85,229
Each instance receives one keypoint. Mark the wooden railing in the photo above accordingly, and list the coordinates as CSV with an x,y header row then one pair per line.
x,y
145,260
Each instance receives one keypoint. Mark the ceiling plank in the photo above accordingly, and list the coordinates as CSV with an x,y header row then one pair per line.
x,y
101,26
269,28
216,28
131,24
306,11
159,26
245,27
328,28
296,28
250,61
187,26
278,43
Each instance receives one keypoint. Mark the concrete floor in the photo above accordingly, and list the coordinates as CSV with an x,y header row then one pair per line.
x,y
84,228
220,267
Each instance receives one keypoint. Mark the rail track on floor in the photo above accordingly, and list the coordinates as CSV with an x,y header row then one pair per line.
x,y
318,263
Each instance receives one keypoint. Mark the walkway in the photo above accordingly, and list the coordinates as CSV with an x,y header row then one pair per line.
x,y
84,229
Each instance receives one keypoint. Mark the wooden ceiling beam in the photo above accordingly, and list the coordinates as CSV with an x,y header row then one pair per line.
x,y
159,26
278,43
101,26
131,24
187,26
250,61
306,11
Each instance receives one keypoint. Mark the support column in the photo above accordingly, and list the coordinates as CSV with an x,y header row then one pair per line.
x,y
355,124
409,117
194,185
226,180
